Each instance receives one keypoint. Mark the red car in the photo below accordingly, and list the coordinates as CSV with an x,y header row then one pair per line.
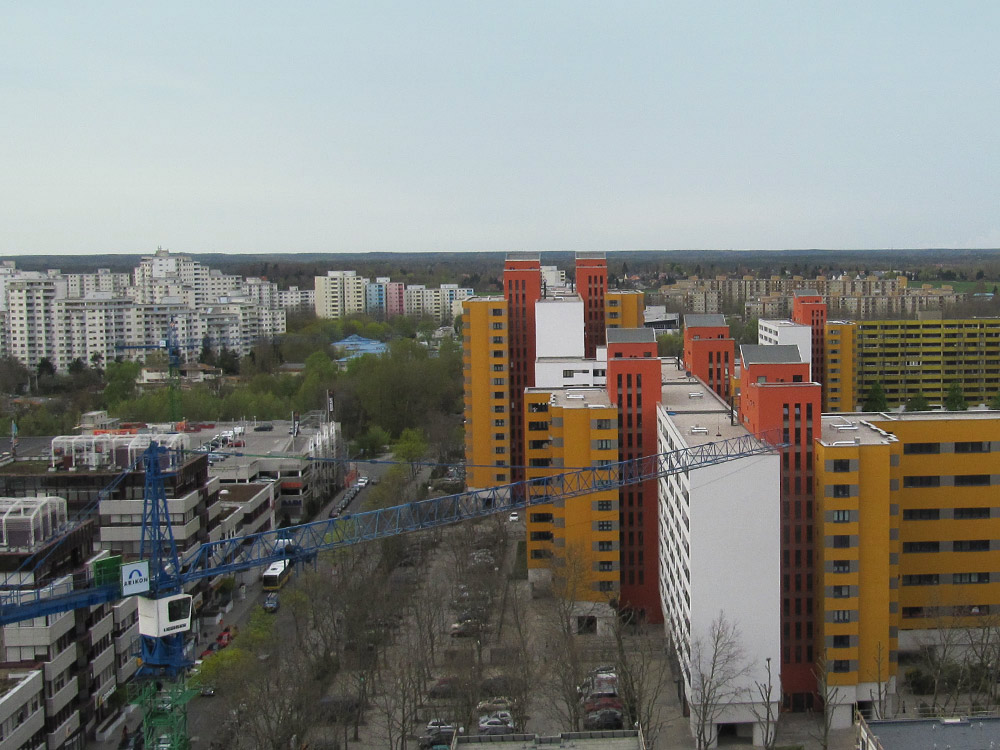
x,y
212,648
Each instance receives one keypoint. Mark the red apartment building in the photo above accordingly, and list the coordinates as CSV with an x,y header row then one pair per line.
x,y
522,288
592,286
809,309
777,397
709,351
634,386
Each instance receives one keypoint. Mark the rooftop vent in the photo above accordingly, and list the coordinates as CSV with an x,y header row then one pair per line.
x,y
696,394
696,430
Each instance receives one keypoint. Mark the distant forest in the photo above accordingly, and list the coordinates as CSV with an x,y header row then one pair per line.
x,y
482,271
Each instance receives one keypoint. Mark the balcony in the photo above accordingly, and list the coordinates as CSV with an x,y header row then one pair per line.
x,y
61,699
61,733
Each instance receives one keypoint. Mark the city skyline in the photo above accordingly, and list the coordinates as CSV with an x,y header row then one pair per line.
x,y
443,127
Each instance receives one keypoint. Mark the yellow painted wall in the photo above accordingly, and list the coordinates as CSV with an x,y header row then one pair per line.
x,y
624,309
484,342
838,356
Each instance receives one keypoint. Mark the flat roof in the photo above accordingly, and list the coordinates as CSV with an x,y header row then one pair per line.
x,y
692,405
774,354
576,397
806,293
852,428
782,323
618,739
933,734
631,336
702,320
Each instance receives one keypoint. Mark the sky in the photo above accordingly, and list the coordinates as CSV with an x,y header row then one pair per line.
x,y
274,127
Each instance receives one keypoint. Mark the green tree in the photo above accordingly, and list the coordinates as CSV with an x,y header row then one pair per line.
x,y
229,361
411,447
995,402
46,368
875,400
954,399
670,345
120,378
371,442
14,376
918,403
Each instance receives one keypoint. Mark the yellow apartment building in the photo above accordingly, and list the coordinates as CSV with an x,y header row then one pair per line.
x,y
907,538
485,371
573,543
910,357
623,308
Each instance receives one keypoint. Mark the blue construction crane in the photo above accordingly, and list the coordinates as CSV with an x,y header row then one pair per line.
x,y
304,542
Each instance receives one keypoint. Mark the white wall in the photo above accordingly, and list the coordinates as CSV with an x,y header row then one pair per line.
x,y
552,374
770,332
559,327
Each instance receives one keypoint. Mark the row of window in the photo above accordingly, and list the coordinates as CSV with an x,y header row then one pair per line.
x,y
933,579
959,480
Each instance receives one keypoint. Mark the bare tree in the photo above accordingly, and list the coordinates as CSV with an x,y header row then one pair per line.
x,y
880,696
717,663
764,705
397,693
644,673
829,696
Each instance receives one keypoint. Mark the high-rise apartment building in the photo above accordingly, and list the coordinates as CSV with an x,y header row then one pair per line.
x,y
779,403
623,309
809,309
709,351
339,294
592,286
522,285
906,540
567,429
486,391
909,358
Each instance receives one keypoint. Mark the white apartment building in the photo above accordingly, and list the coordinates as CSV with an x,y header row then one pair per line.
x,y
89,328
84,284
31,320
787,333
339,294
294,298
22,709
719,552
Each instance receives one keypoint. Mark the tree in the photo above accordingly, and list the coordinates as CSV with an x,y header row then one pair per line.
x,y
954,399
46,368
717,664
643,675
875,400
829,696
995,402
14,376
372,442
670,345
764,706
918,403
229,361
410,447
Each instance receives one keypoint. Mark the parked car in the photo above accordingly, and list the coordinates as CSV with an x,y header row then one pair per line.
x,y
362,481
491,705
263,427
465,629
514,517
493,725
239,443
439,738
446,687
272,603
608,718
207,691
210,651
436,725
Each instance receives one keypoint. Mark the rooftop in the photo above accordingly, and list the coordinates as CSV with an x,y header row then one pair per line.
x,y
931,734
776,354
842,429
578,398
704,321
619,739
695,408
631,336
806,293
782,324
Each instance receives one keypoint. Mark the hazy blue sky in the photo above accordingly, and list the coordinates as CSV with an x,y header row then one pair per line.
x,y
405,126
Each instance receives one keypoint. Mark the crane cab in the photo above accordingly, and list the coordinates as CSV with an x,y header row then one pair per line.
x,y
164,616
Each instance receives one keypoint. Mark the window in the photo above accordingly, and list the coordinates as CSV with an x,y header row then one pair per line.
x,y
926,579
840,592
500,449
497,326
496,311
541,518
605,526
841,490
841,641
973,447
499,436
927,481
841,541
841,615
841,516
499,394
841,566
972,480
971,545
604,505
921,448
541,536
962,514
498,340
538,426
605,585
499,381
602,424
605,445
841,465
536,408
498,368
499,409
498,353
605,565
921,546
921,514
540,554
970,578
840,665
605,546
499,422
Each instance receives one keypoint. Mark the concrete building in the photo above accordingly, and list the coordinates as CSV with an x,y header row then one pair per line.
x,y
709,351
909,358
22,708
719,550
784,333
339,294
